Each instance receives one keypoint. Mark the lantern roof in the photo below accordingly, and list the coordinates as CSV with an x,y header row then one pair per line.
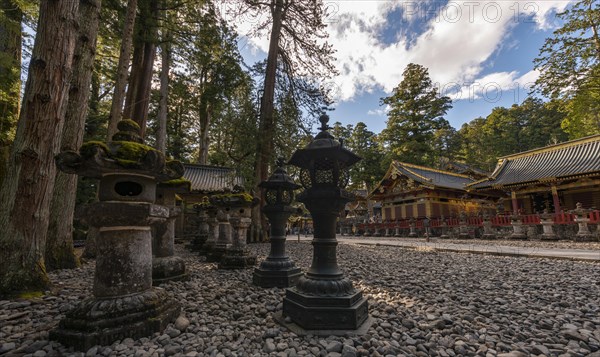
x,y
279,178
324,146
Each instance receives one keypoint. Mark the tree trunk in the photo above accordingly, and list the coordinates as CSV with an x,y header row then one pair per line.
x,y
264,143
142,99
10,77
203,139
136,67
122,70
31,169
161,135
59,246
141,81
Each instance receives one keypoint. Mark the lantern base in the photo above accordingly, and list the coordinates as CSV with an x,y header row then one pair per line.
x,y
311,312
206,249
103,321
284,278
518,236
237,259
166,269
196,244
216,253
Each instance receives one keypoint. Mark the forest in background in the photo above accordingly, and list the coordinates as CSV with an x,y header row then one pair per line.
x,y
174,67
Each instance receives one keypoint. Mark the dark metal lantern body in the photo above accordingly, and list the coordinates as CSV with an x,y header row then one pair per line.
x,y
278,270
324,299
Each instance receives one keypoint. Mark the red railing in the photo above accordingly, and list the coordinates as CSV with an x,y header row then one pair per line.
x,y
497,221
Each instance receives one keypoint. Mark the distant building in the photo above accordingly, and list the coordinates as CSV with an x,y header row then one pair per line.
x,y
205,180
413,191
554,177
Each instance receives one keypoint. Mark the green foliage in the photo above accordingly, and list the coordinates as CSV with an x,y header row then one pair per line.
x,y
505,131
569,58
416,113
583,110
368,171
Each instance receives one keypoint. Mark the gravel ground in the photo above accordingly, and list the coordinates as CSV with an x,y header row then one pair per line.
x,y
565,244
424,304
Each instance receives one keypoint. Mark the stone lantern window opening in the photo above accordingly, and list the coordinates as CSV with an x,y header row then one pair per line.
x,y
128,188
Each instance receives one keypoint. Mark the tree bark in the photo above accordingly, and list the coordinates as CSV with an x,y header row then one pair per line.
x,y
122,70
142,98
59,246
31,171
10,77
264,143
204,140
138,93
136,67
165,54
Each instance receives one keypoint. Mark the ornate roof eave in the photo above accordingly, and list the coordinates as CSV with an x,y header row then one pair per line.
x,y
544,180
406,165
375,190
554,147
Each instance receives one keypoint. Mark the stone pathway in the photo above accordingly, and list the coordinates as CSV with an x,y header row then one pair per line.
x,y
584,251
424,302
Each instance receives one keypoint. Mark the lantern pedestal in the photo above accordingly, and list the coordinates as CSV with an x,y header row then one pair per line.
x,y
201,229
166,266
238,256
213,232
324,299
223,238
278,270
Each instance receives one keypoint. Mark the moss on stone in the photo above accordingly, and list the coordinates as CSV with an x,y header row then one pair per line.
x,y
129,164
88,148
127,150
177,182
30,294
128,125
233,198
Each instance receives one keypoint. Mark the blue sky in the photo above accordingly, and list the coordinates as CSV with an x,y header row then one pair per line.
x,y
478,52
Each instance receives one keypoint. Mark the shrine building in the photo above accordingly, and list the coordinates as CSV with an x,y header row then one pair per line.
x,y
554,178
413,191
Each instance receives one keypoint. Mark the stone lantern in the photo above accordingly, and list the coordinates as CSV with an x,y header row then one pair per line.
x,y
166,266
412,225
237,255
200,227
581,217
324,299
488,231
209,214
124,303
516,221
547,226
278,270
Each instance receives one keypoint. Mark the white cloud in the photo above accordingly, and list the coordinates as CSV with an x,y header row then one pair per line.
x,y
493,87
459,37
380,111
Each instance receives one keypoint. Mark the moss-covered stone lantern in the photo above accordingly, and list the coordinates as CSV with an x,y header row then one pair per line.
x,y
324,299
124,303
278,270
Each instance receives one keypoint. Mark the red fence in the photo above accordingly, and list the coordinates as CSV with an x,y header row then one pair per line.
x,y
497,221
